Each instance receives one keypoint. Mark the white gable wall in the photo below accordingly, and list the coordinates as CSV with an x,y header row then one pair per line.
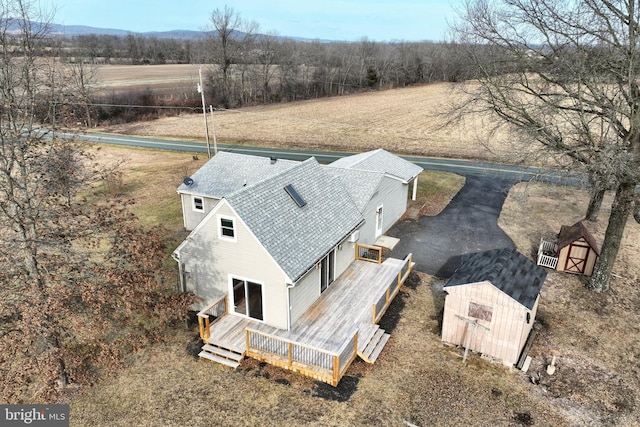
x,y
190,217
508,328
210,261
392,195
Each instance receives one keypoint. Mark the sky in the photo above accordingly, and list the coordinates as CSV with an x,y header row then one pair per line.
x,y
346,20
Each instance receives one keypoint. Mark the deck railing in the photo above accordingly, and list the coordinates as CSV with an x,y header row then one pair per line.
x,y
209,315
547,254
319,364
369,253
380,307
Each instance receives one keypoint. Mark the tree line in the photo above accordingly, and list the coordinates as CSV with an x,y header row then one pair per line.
x,y
248,67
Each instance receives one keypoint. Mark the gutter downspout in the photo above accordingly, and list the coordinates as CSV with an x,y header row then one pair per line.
x,y
289,287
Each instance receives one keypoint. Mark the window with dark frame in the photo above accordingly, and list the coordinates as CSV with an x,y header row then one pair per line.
x,y
226,228
480,312
198,204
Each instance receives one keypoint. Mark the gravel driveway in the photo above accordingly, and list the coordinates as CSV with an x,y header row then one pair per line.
x,y
468,224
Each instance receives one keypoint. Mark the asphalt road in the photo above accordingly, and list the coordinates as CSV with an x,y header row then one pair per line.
x,y
468,224
462,167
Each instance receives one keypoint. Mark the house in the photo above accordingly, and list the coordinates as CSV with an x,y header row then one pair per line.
x,y
491,303
574,251
279,267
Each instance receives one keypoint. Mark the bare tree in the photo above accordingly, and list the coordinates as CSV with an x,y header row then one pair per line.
x,y
565,74
231,39
77,272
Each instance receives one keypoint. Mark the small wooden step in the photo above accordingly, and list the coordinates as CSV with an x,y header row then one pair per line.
x,y
373,343
219,359
379,347
366,333
223,353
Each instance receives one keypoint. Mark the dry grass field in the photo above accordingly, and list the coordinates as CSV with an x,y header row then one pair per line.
x,y
408,120
595,338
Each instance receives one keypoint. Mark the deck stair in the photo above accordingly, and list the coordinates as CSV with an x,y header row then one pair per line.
x,y
218,354
372,340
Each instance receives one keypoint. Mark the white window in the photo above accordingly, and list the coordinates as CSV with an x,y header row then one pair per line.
x,y
226,228
198,204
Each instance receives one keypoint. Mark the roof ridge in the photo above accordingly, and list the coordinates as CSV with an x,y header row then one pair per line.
x,y
310,160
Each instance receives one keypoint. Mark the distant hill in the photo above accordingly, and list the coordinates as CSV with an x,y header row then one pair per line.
x,y
76,30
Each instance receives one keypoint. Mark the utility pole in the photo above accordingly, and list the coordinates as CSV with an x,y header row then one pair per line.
x,y
213,129
204,113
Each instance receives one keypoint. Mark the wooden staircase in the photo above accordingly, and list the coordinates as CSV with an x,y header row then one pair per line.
x,y
372,340
221,355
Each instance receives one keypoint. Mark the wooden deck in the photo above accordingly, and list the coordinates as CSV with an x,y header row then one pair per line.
x,y
343,317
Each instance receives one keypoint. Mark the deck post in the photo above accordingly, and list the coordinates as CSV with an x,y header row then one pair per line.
x,y
207,328
336,370
387,296
201,327
290,353
373,314
399,278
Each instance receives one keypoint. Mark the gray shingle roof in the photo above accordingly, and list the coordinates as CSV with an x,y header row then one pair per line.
x,y
360,184
507,269
297,237
380,161
227,172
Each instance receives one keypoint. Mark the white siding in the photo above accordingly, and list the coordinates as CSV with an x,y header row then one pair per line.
x,y
190,217
392,195
307,290
304,294
210,260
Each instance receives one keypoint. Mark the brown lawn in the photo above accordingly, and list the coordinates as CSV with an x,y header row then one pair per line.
x,y
408,120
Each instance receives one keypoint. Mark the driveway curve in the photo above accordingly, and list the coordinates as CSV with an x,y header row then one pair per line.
x,y
468,224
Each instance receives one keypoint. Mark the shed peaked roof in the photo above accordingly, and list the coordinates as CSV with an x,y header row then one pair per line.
x,y
228,172
380,161
507,269
569,234
297,237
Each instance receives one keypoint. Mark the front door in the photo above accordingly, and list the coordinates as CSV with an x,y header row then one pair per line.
x,y
379,221
247,298
327,270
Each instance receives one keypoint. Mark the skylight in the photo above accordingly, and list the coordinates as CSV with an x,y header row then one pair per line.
x,y
295,196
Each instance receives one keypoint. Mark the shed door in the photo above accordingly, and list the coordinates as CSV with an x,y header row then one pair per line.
x,y
577,257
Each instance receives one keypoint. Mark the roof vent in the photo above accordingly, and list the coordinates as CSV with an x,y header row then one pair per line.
x,y
273,159
295,195
188,181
